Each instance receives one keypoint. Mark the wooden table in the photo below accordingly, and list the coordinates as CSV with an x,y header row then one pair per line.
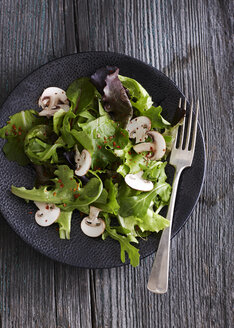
x,y
190,42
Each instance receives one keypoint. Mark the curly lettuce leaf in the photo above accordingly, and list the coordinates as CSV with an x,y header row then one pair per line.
x,y
106,136
81,94
152,222
139,203
125,246
58,120
64,222
66,192
65,129
154,114
109,202
15,132
139,97
39,147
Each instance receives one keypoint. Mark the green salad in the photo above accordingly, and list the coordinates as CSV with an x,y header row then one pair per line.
x,y
98,148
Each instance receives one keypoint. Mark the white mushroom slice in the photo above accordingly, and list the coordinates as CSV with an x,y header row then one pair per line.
x,y
83,162
157,147
91,225
135,181
51,100
47,214
138,128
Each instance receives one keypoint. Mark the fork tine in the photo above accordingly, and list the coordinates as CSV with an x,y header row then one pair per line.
x,y
189,126
195,127
183,125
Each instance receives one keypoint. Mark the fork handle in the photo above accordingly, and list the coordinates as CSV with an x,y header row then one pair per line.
x,y
158,280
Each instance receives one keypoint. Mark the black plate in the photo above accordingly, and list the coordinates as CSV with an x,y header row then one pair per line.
x,y
83,251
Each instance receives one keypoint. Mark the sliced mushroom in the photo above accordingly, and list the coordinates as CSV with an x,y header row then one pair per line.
x,y
135,181
83,162
91,225
157,148
47,214
51,100
138,128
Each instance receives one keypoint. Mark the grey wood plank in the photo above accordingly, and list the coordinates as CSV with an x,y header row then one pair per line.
x,y
36,291
190,42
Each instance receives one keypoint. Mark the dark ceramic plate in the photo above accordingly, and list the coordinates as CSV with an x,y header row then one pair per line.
x,y
82,251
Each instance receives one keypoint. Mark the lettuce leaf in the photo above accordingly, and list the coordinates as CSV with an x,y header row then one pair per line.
x,y
137,205
15,132
81,94
115,98
66,192
139,97
125,246
64,222
39,145
154,114
110,204
152,222
105,136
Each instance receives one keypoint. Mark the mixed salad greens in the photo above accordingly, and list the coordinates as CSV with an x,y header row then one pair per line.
x,y
94,149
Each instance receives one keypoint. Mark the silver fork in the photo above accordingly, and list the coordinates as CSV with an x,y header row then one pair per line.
x,y
181,157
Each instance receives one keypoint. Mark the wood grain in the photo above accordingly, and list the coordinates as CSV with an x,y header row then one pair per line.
x,y
190,42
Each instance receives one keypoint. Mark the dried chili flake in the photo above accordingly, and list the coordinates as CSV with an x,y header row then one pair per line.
x,y
114,144
54,194
64,205
29,212
47,207
13,127
62,185
100,147
118,146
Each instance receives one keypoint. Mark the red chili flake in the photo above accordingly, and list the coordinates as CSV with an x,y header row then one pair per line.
x,y
47,207
59,180
64,205
8,122
118,146
99,147
54,194
19,133
104,138
76,196
130,153
110,137
15,133
151,148
20,129
29,212
13,127
62,185
114,143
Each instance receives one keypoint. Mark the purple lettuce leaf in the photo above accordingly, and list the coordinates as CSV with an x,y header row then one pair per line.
x,y
115,99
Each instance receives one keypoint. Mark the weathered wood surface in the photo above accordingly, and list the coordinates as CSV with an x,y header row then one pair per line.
x,y
190,42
